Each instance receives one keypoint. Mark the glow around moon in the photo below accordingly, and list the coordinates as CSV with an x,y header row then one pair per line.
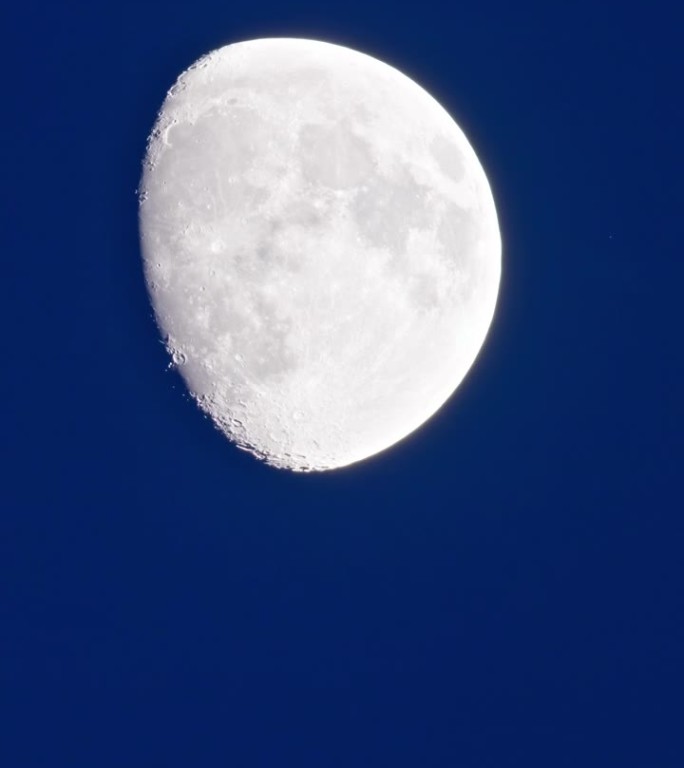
x,y
320,246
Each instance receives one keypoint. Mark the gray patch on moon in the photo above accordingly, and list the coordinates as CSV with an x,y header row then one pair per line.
x,y
333,156
227,138
449,157
425,292
458,232
386,208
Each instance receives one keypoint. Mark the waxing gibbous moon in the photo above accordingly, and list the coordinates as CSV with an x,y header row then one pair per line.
x,y
321,249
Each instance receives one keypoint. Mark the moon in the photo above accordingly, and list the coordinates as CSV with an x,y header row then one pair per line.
x,y
321,249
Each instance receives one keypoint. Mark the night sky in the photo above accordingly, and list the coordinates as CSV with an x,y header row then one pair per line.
x,y
505,587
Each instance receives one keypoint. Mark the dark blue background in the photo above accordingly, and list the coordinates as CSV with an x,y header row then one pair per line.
x,y
505,587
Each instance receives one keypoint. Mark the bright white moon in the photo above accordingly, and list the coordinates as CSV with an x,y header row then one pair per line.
x,y
321,249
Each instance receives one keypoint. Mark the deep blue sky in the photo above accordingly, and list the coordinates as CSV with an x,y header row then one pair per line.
x,y
505,587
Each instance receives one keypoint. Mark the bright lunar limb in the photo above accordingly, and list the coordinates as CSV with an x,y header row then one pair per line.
x,y
321,249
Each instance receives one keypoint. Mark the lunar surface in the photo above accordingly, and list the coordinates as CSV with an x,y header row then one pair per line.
x,y
320,246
